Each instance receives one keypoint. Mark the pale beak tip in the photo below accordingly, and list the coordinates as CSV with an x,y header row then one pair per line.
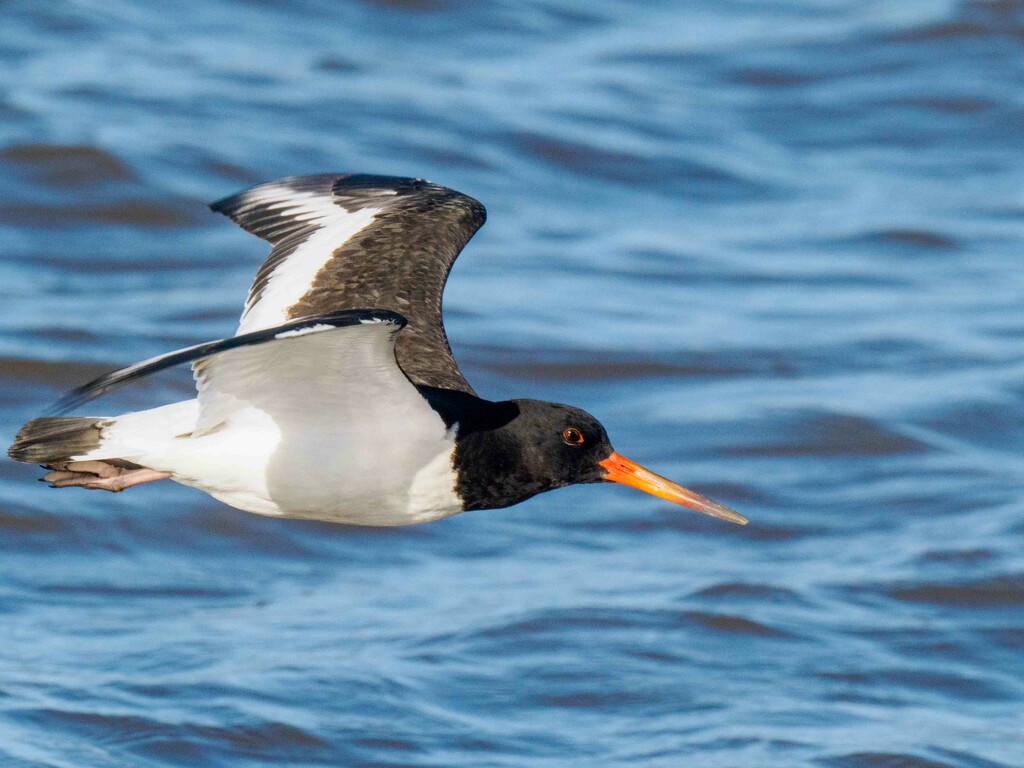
x,y
714,509
733,517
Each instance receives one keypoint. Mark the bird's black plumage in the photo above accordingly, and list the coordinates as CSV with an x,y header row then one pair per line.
x,y
508,451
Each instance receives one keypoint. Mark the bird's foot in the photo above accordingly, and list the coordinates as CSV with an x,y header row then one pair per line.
x,y
100,476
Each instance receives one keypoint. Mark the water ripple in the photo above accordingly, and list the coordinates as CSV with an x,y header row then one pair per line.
x,y
775,248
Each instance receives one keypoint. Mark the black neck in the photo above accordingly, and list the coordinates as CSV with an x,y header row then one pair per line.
x,y
492,464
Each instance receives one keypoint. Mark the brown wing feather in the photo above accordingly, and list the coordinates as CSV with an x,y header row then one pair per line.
x,y
399,261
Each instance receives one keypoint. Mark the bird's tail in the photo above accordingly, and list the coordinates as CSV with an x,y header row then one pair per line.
x,y
57,439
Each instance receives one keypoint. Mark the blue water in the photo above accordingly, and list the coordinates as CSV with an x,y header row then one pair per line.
x,y
775,247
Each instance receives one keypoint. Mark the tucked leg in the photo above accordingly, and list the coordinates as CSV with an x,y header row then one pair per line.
x,y
100,476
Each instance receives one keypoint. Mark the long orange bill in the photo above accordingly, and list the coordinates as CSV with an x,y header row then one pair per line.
x,y
622,470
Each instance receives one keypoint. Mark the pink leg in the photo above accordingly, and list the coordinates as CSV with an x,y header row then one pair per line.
x,y
98,475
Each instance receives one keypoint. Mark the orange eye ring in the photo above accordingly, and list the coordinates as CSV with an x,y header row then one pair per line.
x,y
572,436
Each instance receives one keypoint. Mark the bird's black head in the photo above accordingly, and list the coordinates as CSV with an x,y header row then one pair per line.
x,y
512,450
507,452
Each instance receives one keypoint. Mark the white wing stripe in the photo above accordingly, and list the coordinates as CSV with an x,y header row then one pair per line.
x,y
294,276
310,329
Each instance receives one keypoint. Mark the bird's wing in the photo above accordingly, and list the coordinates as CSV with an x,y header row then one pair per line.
x,y
349,241
299,372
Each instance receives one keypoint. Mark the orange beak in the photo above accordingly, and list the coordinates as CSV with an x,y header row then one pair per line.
x,y
622,470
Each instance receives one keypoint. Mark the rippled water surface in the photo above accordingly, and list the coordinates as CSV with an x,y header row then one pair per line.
x,y
776,247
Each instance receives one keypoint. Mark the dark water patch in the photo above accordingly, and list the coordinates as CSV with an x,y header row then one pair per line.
x,y
973,19
940,32
337,65
914,238
958,556
771,78
833,435
954,106
65,335
634,688
156,691
883,760
886,682
738,591
736,625
15,521
67,165
392,744
559,629
266,737
593,619
64,373
226,170
993,592
129,213
215,165
965,760
602,700
149,736
658,656
673,175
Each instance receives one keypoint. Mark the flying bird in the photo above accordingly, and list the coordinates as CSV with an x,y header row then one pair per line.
x,y
338,398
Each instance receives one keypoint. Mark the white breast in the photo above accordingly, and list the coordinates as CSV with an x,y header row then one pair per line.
x,y
432,494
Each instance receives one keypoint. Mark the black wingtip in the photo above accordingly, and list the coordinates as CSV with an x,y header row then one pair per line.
x,y
321,182
225,205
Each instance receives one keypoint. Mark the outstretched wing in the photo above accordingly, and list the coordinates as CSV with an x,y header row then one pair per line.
x,y
349,241
273,364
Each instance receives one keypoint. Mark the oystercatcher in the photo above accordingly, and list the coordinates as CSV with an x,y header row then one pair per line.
x,y
338,398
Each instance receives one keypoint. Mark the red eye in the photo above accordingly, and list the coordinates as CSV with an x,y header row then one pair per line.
x,y
572,436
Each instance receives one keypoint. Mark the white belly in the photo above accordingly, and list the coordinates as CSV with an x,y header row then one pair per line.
x,y
362,474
